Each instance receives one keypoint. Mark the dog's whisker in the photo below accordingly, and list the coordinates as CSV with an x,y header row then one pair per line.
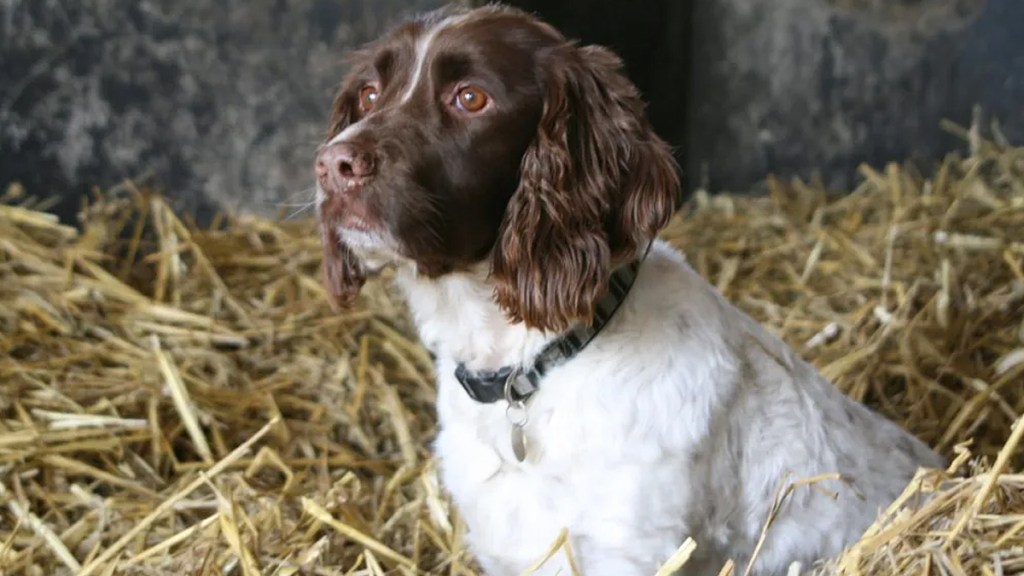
x,y
302,208
308,193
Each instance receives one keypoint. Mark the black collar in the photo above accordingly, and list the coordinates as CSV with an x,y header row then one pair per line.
x,y
517,384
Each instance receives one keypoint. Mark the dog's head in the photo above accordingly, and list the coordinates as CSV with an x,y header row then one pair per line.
x,y
486,135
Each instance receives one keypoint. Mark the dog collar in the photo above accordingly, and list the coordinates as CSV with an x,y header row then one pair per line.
x,y
516,384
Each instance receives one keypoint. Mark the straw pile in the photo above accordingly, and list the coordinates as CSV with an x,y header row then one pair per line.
x,y
176,400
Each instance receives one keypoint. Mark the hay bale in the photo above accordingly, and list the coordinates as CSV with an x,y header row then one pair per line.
x,y
176,400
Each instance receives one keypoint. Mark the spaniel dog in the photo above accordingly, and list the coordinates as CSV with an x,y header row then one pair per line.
x,y
588,378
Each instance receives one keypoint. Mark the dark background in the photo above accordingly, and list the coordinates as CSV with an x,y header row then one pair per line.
x,y
220,103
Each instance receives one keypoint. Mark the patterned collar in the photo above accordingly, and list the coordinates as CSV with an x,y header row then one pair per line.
x,y
516,384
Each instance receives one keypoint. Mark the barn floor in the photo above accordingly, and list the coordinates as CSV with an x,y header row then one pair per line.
x,y
181,401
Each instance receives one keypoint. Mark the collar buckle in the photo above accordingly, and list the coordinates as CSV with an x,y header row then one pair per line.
x,y
490,386
518,387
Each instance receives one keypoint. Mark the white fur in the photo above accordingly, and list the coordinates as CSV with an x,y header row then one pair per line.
x,y
681,419
422,48
349,132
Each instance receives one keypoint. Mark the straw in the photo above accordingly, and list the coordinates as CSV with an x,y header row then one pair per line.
x,y
141,359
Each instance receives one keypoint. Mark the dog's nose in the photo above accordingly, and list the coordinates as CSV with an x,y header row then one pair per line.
x,y
344,164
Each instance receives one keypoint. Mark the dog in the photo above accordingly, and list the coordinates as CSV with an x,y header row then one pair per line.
x,y
588,378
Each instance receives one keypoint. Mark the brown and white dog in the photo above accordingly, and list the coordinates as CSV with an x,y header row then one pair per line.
x,y
588,378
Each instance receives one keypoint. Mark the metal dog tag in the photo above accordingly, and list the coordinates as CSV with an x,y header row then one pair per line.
x,y
517,416
518,442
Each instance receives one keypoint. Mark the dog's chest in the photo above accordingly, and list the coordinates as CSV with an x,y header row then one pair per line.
x,y
588,470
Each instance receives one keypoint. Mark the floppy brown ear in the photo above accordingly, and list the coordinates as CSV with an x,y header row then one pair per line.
x,y
343,272
596,186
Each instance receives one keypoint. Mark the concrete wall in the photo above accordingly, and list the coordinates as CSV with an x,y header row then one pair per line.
x,y
221,102
802,86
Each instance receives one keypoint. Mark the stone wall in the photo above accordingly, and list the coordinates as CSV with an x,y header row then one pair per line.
x,y
222,102
803,86
219,102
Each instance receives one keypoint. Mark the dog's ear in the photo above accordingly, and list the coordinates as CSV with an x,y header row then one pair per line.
x,y
343,273
596,185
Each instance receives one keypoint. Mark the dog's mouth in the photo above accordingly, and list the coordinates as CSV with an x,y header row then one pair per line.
x,y
350,220
356,218
348,211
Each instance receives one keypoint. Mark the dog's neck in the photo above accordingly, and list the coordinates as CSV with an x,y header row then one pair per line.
x,y
457,317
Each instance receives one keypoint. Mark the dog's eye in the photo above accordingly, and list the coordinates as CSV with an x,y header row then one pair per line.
x,y
471,99
368,97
